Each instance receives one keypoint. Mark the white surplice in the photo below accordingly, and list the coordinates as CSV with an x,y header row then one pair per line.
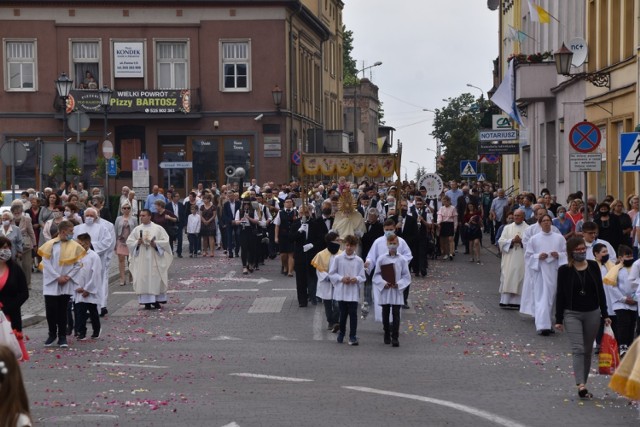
x,y
392,296
512,263
345,265
528,285
544,276
90,278
150,267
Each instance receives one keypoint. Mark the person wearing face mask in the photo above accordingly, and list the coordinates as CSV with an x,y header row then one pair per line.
x,y
103,238
580,304
283,223
609,227
379,248
621,283
407,229
564,223
302,245
56,219
321,262
61,268
14,291
544,254
391,277
71,214
601,256
13,233
23,222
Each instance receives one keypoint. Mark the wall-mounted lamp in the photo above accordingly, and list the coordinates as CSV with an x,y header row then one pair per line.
x,y
276,92
563,58
561,124
216,124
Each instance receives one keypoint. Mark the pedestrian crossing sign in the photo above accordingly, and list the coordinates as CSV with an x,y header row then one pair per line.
x,y
481,177
468,168
630,152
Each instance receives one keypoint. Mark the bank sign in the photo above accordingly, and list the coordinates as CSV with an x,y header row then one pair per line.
x,y
133,101
128,60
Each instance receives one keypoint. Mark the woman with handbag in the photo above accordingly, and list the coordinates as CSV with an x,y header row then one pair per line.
x,y
580,304
123,226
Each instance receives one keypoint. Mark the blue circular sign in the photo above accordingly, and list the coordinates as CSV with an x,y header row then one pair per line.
x,y
296,158
584,137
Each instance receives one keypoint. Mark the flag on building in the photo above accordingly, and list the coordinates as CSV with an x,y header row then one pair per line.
x,y
505,95
518,35
381,142
539,14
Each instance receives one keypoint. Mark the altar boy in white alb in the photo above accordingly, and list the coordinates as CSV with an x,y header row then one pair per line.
x,y
347,276
150,258
87,294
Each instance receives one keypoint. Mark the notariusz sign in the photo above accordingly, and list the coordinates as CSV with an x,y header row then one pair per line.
x,y
498,135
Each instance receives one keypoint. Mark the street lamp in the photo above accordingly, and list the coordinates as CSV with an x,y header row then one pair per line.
x,y
437,140
563,58
276,93
105,101
476,87
355,102
63,86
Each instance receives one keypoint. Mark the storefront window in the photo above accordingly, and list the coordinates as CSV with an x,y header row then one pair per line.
x,y
237,153
205,161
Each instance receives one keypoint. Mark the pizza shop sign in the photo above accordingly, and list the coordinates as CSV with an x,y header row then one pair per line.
x,y
133,101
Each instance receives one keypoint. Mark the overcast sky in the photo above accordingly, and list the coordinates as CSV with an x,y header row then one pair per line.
x,y
430,50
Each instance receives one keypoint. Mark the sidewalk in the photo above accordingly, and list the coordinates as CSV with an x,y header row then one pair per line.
x,y
33,310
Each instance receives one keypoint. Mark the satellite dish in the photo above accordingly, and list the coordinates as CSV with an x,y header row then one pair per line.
x,y
493,4
229,171
580,51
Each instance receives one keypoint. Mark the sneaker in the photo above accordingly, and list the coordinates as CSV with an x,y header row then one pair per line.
x,y
336,328
62,342
96,334
49,342
446,257
353,341
340,338
103,311
395,343
623,350
82,337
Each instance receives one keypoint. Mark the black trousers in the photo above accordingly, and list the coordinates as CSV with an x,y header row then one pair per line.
x,y
302,281
495,229
178,239
625,326
394,328
348,309
55,307
248,247
86,310
405,294
421,259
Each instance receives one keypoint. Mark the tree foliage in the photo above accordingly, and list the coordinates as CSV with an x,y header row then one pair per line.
x,y
456,126
349,65
419,173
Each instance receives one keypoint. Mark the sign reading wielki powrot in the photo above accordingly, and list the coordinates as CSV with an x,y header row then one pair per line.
x,y
133,101
358,165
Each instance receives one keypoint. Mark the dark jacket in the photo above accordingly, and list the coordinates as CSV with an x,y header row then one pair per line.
x,y
227,215
373,232
182,213
320,230
14,293
568,283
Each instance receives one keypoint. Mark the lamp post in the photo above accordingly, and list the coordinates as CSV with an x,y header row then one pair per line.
x,y
276,93
105,101
355,102
437,140
63,86
476,87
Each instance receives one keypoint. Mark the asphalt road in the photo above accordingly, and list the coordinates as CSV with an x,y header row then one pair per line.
x,y
234,350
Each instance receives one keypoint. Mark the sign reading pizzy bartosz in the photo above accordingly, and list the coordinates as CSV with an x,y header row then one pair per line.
x,y
134,101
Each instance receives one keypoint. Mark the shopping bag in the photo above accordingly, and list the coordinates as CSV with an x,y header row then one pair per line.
x,y
8,338
23,348
608,359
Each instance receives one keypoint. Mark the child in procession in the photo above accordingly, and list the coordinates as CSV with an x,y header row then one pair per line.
x,y
391,277
86,294
322,262
193,231
347,276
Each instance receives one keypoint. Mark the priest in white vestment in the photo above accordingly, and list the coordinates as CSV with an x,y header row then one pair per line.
x,y
103,242
512,263
546,252
150,258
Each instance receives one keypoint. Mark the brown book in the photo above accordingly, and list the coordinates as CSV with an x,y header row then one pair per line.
x,y
388,273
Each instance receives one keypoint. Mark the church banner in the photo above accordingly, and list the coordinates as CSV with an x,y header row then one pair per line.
x,y
358,165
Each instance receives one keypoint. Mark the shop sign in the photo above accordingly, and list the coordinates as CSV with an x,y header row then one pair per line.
x,y
133,101
128,60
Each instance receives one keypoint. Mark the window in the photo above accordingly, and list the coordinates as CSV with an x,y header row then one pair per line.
x,y
86,64
171,61
236,61
20,60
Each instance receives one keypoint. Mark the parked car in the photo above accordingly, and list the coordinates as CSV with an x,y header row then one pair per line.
x,y
6,204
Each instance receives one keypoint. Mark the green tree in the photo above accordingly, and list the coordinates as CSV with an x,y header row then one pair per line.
x,y
420,172
456,126
349,66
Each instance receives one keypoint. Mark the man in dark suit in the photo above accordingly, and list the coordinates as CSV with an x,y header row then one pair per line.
x,y
178,209
425,223
321,227
407,228
374,230
229,210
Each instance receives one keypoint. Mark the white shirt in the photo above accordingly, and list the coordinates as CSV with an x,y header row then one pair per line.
x,y
193,224
345,265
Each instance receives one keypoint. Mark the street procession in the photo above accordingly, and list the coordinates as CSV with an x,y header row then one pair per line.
x,y
233,213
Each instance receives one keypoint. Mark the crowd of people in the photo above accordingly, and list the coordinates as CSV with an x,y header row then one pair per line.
x,y
571,267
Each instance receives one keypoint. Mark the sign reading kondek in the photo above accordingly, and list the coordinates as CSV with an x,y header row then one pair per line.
x,y
133,101
128,60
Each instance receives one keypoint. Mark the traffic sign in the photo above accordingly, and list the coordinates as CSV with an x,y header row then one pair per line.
x,y
176,165
630,152
296,158
481,177
584,137
112,167
492,159
433,183
585,162
498,135
468,168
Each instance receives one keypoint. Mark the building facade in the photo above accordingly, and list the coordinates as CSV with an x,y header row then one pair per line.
x,y
215,83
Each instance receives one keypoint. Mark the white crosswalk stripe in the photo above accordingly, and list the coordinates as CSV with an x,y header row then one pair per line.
x,y
267,305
